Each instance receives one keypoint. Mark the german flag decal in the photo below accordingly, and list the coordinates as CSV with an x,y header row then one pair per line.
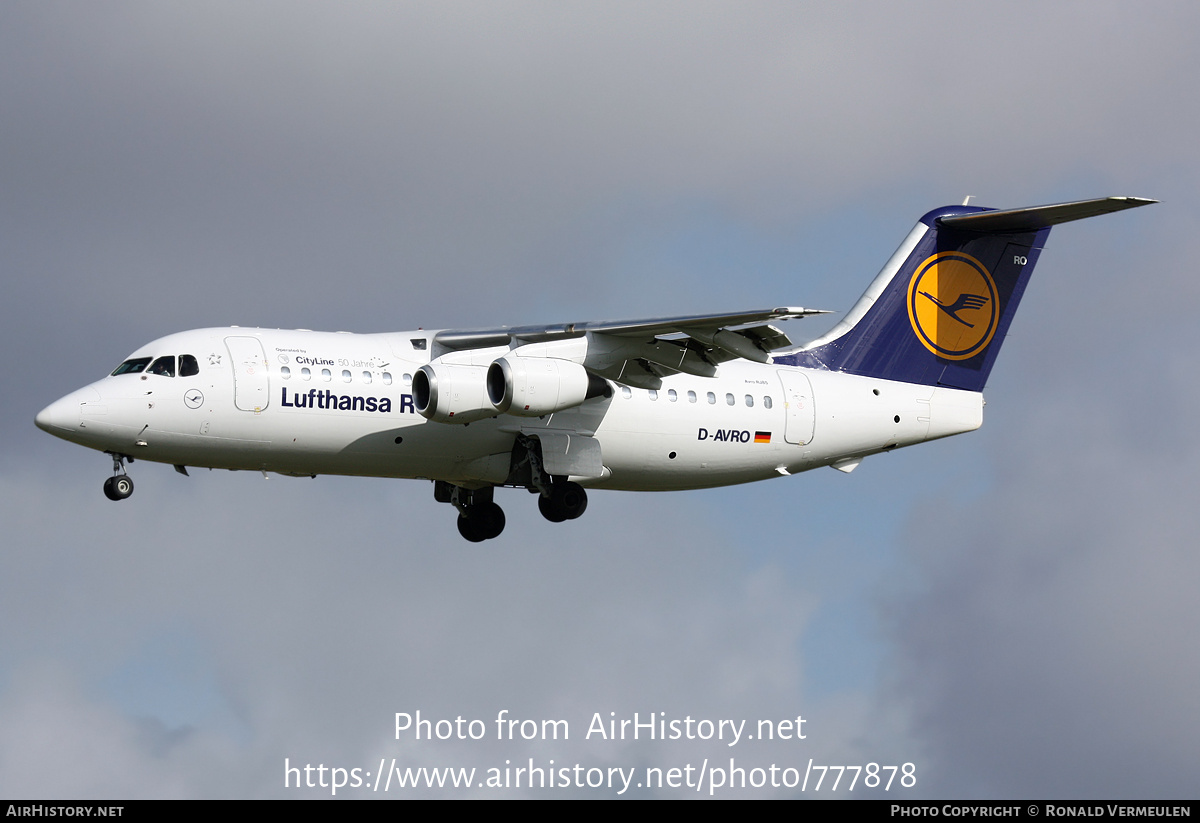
x,y
762,437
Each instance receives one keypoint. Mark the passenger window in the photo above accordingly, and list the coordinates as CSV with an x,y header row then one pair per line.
x,y
387,378
346,375
188,367
672,395
729,401
326,375
749,401
691,397
626,392
135,366
164,366
305,374
767,402
712,398
367,377
285,372
653,394
408,378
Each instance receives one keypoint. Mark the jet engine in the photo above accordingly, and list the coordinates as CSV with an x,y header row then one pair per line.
x,y
533,386
448,393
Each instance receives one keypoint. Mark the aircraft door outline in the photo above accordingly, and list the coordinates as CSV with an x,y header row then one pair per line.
x,y
801,418
251,384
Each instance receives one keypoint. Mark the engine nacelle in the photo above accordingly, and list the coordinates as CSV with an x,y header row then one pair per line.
x,y
533,386
448,393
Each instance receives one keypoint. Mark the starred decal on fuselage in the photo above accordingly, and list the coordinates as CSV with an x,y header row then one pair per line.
x,y
214,359
953,305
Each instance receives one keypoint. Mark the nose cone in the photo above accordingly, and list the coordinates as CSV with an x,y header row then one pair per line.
x,y
61,418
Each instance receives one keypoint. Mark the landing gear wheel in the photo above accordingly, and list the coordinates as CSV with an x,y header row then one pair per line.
x,y
469,529
118,487
566,502
550,511
492,518
572,499
481,522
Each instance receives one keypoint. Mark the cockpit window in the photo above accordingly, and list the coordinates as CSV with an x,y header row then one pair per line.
x,y
188,367
164,366
133,366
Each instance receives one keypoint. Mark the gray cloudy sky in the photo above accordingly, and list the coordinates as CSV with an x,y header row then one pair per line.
x,y
1013,610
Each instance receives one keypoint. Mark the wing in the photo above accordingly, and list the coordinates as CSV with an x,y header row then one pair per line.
x,y
642,352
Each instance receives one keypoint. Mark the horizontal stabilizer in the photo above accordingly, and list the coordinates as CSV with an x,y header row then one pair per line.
x,y
938,312
1041,217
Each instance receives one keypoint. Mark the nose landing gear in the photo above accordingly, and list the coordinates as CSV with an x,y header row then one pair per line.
x,y
120,485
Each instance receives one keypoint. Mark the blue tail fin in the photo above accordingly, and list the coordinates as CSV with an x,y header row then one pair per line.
x,y
939,310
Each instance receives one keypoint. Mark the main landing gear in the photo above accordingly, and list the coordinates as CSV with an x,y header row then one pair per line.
x,y
558,498
481,521
564,500
120,485
479,518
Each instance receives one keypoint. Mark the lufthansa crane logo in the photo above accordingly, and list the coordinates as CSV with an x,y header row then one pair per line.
x,y
952,305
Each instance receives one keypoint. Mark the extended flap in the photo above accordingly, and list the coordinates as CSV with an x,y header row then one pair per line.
x,y
570,454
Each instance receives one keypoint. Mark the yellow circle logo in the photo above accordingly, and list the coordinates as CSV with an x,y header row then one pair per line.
x,y
952,305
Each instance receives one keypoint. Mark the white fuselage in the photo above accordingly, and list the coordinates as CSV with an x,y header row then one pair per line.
x,y
307,403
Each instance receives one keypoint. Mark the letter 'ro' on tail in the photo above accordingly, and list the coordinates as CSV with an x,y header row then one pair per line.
x,y
939,310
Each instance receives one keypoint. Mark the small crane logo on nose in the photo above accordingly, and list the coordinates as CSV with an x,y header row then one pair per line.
x,y
194,399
